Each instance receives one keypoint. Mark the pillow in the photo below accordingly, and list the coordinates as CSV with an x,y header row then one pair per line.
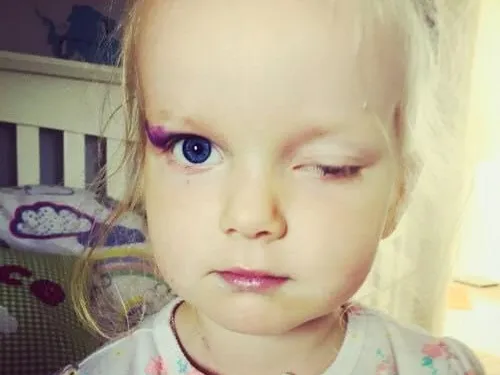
x,y
39,330
125,287
62,220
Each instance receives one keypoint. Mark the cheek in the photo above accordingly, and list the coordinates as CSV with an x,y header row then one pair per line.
x,y
353,278
172,198
345,218
359,271
179,220
341,233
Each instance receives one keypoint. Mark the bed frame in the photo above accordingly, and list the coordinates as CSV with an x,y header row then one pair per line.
x,y
52,115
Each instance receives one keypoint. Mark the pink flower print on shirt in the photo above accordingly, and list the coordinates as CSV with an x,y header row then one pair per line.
x,y
385,368
433,351
156,366
386,364
437,350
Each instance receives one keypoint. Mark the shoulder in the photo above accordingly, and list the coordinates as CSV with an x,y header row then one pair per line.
x,y
414,351
133,353
122,356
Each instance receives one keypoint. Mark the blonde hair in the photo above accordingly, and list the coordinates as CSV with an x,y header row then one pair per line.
x,y
429,148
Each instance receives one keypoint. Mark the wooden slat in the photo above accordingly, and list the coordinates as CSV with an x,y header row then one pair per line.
x,y
8,157
58,68
28,155
74,160
61,103
115,176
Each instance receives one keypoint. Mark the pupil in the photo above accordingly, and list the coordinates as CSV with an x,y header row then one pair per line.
x,y
196,149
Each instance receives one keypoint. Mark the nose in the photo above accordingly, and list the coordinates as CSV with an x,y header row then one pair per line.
x,y
252,211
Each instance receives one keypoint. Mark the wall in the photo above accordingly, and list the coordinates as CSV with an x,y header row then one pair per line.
x,y
22,30
480,253
79,32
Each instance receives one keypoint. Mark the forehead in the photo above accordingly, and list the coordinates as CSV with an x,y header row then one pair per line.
x,y
266,55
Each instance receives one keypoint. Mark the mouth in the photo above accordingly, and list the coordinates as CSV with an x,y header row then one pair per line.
x,y
251,281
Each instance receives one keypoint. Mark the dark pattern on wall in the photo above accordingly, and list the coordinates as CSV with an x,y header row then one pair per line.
x,y
83,30
90,36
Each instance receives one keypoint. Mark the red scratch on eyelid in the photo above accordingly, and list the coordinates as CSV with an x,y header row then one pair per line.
x,y
156,129
156,134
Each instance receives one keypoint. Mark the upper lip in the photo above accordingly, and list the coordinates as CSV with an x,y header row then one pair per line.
x,y
243,272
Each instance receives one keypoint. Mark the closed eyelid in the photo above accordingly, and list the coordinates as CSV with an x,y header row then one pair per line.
x,y
354,153
327,146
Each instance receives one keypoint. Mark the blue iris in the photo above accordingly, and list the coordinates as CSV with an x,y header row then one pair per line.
x,y
196,150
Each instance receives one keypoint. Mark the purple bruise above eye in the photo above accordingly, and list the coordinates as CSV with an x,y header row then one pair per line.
x,y
157,135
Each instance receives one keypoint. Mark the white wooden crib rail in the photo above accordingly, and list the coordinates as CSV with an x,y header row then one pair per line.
x,y
73,98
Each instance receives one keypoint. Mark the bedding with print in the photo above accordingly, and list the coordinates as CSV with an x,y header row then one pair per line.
x,y
39,330
62,220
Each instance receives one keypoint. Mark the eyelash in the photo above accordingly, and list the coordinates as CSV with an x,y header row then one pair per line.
x,y
327,172
171,140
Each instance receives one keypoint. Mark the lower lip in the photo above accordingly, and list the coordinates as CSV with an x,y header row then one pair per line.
x,y
252,283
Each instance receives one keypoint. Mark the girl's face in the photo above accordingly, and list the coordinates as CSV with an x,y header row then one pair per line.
x,y
270,172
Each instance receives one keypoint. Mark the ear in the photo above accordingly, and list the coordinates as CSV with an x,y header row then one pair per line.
x,y
393,214
398,195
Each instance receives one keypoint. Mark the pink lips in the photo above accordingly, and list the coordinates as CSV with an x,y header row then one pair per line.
x,y
251,281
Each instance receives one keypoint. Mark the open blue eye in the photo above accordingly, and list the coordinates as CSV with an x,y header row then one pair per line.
x,y
195,149
184,148
192,150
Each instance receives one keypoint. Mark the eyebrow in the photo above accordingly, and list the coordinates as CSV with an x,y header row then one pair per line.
x,y
167,117
171,124
362,152
304,137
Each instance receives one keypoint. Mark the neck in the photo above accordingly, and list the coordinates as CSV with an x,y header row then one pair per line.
x,y
306,350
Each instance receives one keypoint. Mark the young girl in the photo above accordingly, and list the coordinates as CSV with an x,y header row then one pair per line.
x,y
275,147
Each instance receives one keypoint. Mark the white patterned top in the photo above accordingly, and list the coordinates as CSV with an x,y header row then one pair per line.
x,y
374,345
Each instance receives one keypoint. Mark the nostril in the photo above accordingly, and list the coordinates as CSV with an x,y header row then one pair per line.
x,y
261,234
230,231
258,218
